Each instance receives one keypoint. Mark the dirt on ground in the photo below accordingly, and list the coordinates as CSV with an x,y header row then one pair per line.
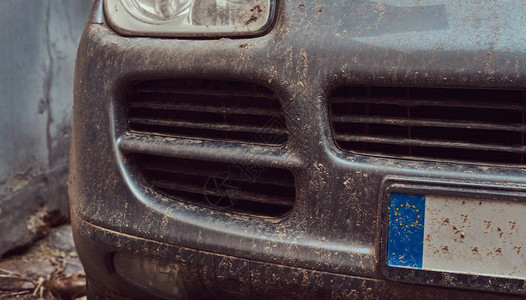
x,y
50,269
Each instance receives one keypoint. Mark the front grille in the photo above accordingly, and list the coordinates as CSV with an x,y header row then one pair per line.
x,y
473,125
252,189
207,109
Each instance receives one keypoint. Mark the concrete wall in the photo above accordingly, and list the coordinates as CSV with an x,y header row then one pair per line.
x,y
38,42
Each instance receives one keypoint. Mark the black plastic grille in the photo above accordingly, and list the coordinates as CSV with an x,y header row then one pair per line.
x,y
232,187
475,125
207,109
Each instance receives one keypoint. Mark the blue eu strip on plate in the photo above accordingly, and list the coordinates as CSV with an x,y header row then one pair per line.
x,y
406,231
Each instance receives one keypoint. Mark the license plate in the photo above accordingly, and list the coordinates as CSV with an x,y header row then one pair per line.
x,y
457,235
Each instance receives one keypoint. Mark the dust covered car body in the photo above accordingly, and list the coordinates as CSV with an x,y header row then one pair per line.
x,y
294,149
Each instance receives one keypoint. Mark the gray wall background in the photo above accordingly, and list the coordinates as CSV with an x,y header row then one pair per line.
x,y
38,42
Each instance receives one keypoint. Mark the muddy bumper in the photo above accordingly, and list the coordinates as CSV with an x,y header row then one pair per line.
x,y
329,139
134,267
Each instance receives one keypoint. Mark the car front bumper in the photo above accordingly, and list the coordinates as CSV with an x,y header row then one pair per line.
x,y
330,244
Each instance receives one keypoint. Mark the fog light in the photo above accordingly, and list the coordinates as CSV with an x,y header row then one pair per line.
x,y
159,277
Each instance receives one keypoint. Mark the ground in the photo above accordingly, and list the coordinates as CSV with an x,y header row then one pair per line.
x,y
50,269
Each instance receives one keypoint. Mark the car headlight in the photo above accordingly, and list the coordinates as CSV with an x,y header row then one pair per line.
x,y
188,18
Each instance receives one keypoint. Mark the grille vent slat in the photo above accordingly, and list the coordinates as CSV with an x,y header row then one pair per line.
x,y
428,123
231,187
201,87
223,192
472,125
207,126
207,109
204,108
426,143
432,103
161,167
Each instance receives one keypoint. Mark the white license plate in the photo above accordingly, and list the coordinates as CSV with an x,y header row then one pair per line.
x,y
457,235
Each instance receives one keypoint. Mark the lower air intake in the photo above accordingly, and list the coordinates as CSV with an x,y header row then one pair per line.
x,y
231,187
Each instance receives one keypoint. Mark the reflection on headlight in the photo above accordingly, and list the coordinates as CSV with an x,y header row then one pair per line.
x,y
157,11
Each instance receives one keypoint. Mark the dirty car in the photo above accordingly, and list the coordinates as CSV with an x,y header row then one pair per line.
x,y
301,149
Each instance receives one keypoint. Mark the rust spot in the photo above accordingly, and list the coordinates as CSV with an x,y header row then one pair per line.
x,y
475,250
487,223
498,251
445,249
301,5
256,11
464,218
445,221
243,45
518,249
256,8
251,20
462,235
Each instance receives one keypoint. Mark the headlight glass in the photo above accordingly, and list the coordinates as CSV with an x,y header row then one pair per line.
x,y
186,18
156,12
